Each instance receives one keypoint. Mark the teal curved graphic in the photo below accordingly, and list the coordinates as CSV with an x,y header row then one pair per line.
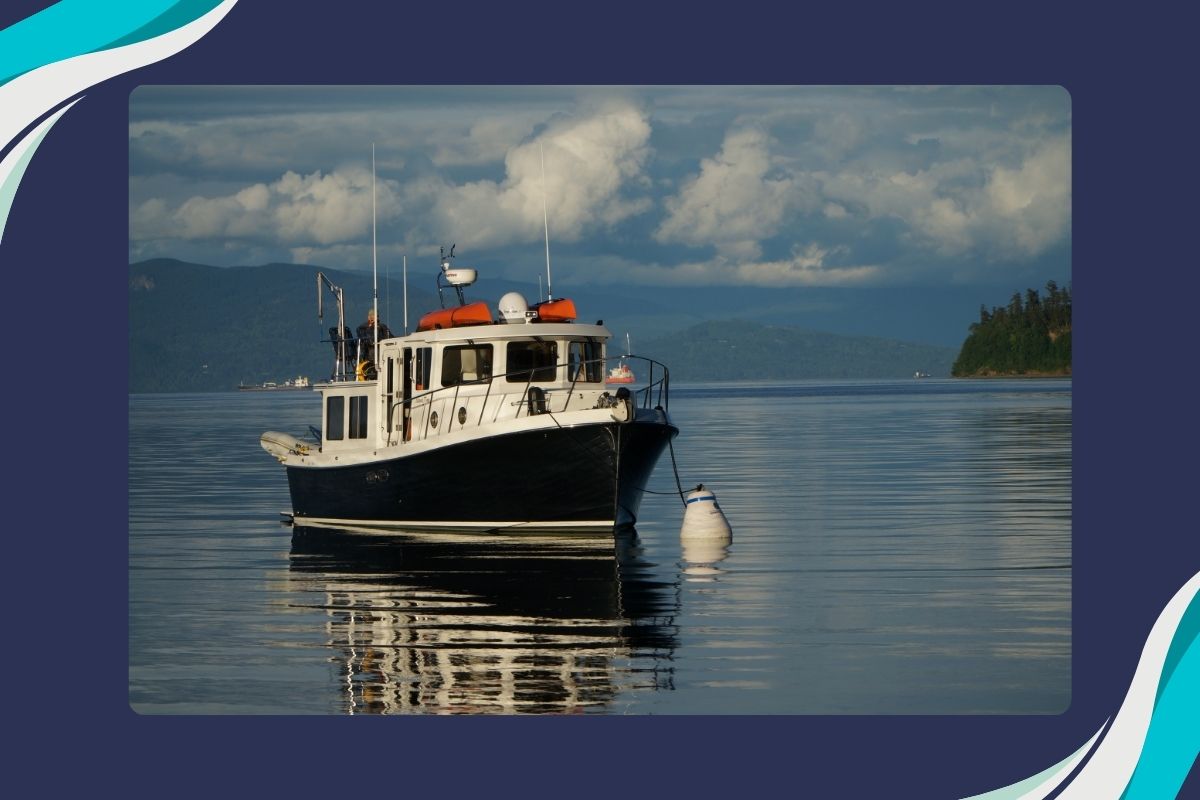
x,y
178,15
1173,740
1156,748
73,27
1185,637
43,63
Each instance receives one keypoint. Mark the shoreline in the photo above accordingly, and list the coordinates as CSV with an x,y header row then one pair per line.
x,y
1016,375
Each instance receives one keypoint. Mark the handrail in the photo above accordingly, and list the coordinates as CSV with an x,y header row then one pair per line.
x,y
656,391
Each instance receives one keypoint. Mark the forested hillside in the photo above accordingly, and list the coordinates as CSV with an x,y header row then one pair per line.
x,y
1029,336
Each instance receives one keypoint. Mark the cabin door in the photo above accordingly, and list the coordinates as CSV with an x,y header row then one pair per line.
x,y
418,365
392,374
406,393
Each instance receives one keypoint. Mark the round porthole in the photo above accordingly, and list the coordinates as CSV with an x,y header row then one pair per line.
x,y
433,419
462,416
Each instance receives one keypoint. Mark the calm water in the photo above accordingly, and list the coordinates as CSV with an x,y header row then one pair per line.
x,y
900,547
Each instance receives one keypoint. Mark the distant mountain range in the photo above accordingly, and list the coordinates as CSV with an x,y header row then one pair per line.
x,y
197,328
735,350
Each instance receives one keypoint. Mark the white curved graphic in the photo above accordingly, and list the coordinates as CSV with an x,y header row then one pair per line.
x,y
28,97
1109,768
1045,782
14,164
1108,771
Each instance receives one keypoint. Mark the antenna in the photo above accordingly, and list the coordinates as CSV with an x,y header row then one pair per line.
x,y
374,259
406,295
458,278
545,223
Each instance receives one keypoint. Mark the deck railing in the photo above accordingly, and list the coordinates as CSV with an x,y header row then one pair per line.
x,y
654,394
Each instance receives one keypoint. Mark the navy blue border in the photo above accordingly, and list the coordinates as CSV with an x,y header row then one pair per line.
x,y
1134,275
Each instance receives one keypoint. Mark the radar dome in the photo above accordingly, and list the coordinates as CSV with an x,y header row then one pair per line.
x,y
513,307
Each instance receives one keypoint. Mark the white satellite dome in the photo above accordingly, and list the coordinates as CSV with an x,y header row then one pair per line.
x,y
513,307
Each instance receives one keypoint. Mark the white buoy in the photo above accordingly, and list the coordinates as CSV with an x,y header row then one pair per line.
x,y
705,536
703,518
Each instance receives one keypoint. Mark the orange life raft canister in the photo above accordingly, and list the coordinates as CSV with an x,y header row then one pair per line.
x,y
470,314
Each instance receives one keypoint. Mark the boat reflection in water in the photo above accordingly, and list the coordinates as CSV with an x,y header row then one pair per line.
x,y
466,623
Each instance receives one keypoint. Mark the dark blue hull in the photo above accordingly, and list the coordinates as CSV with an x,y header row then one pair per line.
x,y
585,476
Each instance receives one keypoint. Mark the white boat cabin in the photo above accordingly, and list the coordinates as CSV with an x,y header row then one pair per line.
x,y
437,382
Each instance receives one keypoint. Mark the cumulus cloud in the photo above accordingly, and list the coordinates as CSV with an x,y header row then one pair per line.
x,y
806,265
295,210
970,205
593,170
590,160
799,186
486,141
837,134
732,203
1032,203
325,208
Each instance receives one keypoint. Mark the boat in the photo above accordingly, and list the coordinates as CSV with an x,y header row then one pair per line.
x,y
621,373
496,422
297,383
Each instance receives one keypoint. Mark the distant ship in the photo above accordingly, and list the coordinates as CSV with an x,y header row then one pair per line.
x,y
295,384
919,374
621,373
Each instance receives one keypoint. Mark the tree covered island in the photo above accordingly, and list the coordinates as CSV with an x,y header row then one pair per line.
x,y
1029,336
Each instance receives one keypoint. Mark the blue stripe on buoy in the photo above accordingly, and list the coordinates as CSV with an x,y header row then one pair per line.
x,y
710,499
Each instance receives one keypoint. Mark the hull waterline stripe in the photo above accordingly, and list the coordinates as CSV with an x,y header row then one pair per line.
x,y
600,524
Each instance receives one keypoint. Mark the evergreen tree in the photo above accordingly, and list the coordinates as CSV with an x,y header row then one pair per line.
x,y
1030,335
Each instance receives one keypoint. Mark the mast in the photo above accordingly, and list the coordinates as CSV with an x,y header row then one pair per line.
x,y
374,260
545,222
406,295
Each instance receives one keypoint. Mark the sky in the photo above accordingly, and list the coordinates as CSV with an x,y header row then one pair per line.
x,y
721,186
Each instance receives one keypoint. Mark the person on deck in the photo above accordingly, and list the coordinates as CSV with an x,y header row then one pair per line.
x,y
366,331
366,345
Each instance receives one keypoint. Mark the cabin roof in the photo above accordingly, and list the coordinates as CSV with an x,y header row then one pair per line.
x,y
504,332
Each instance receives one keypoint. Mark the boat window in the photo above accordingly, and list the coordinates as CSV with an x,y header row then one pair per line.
x,y
424,367
537,361
335,417
584,361
466,364
358,417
